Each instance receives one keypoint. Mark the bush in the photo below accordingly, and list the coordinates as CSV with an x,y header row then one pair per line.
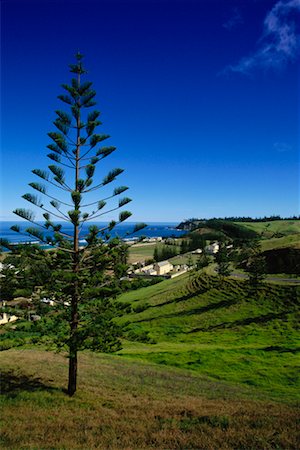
x,y
283,260
231,229
22,292
140,308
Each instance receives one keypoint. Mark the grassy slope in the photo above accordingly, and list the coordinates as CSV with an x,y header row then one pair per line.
x,y
221,331
130,405
277,226
226,377
289,228
138,252
292,240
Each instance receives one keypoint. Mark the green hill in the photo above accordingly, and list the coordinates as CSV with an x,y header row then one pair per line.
x,y
219,330
204,365
126,404
284,227
274,234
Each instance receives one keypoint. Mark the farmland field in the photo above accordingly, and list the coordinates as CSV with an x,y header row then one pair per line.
x,y
204,364
129,404
141,252
222,331
285,227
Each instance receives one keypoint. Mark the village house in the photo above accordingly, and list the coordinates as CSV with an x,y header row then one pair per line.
x,y
150,272
213,248
163,267
198,251
7,318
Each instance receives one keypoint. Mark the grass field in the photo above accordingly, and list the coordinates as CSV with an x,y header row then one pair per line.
x,y
138,252
125,404
292,240
223,374
275,234
281,227
206,364
223,332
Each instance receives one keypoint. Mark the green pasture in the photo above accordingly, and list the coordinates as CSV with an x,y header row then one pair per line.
x,y
221,330
292,240
141,252
285,227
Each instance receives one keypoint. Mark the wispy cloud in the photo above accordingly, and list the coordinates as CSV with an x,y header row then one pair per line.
x,y
234,21
279,43
282,147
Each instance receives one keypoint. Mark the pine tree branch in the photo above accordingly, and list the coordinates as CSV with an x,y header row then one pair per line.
x,y
69,156
95,203
26,233
53,214
66,165
35,223
67,250
86,153
59,186
56,199
63,234
98,215
94,188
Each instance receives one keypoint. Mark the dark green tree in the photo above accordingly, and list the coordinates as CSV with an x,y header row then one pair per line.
x,y
184,247
156,255
80,276
223,260
256,270
203,260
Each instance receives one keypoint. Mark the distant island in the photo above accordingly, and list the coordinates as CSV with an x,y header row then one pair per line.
x,y
193,224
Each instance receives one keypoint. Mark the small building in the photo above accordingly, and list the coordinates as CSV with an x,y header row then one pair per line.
x,y
7,318
163,267
48,301
150,272
213,248
34,317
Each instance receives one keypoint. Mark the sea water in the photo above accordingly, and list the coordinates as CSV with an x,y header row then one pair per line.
x,y
153,229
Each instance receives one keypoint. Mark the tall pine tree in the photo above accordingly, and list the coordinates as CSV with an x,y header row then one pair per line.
x,y
79,278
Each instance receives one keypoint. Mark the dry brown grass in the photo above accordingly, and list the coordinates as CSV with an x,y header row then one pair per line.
x,y
122,404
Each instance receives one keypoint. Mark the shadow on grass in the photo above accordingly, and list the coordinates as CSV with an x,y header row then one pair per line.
x,y
243,322
182,298
190,312
12,384
279,349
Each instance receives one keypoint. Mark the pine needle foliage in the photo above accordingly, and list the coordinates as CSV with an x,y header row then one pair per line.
x,y
79,278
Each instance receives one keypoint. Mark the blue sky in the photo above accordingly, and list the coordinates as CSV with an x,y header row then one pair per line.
x,y
201,99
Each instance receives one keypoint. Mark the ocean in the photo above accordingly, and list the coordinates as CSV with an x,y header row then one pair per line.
x,y
153,229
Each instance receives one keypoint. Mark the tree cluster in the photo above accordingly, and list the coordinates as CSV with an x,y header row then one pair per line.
x,y
163,252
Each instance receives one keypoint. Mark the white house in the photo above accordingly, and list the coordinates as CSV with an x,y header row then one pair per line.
x,y
6,318
150,272
163,267
48,301
213,248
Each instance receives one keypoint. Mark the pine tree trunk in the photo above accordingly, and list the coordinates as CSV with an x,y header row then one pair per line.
x,y
73,345
72,370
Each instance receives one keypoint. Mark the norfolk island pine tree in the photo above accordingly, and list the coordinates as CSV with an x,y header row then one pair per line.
x,y
75,147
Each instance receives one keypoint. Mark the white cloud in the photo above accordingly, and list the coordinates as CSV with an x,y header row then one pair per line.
x,y
279,43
